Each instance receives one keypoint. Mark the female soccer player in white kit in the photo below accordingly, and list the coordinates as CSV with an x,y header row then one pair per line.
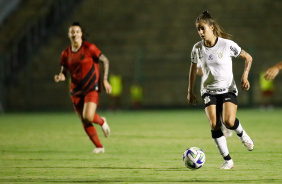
x,y
214,53
226,132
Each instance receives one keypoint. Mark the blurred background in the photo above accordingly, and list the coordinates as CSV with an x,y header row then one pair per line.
x,y
148,44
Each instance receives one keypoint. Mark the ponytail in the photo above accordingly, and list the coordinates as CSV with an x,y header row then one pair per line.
x,y
218,30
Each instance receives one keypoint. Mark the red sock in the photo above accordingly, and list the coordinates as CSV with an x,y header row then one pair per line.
x,y
92,134
98,120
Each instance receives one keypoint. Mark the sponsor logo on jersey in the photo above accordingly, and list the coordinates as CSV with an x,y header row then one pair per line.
x,y
210,57
234,50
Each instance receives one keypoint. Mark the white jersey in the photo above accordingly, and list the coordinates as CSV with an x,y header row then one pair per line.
x,y
216,64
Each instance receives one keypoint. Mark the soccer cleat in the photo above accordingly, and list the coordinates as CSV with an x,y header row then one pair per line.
x,y
106,128
99,150
247,141
227,164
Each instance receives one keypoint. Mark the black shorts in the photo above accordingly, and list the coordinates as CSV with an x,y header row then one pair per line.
x,y
218,100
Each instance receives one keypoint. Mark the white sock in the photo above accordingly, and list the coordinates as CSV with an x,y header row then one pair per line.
x,y
221,145
239,129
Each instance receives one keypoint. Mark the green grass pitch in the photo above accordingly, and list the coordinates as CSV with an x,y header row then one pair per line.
x,y
144,147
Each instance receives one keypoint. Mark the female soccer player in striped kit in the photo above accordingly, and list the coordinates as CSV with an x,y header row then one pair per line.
x,y
81,59
214,53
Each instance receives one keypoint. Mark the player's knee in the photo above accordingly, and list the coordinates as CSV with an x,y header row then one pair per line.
x,y
214,125
88,117
86,124
229,122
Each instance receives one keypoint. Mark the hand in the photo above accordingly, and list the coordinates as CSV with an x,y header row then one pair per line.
x,y
271,73
245,84
192,100
108,87
60,77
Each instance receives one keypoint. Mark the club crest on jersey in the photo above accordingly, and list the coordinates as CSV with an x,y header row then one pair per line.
x,y
207,99
220,55
82,56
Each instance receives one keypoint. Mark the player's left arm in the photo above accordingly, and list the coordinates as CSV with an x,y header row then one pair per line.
x,y
105,61
245,84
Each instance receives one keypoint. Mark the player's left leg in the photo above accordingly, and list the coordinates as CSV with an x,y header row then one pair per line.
x,y
229,119
229,111
226,132
89,112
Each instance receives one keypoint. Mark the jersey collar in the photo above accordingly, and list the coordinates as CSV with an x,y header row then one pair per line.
x,y
213,45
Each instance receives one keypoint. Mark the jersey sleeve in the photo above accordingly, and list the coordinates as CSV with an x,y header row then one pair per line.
x,y
64,58
234,49
95,52
194,55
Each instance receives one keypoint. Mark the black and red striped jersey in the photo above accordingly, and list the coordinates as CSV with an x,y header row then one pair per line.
x,y
84,68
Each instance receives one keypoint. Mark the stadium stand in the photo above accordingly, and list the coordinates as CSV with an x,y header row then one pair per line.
x,y
150,42
7,7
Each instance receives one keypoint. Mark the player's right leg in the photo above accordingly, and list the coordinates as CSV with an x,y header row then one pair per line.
x,y
92,134
219,139
213,115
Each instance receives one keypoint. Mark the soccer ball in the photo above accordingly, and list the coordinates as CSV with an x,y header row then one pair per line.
x,y
194,158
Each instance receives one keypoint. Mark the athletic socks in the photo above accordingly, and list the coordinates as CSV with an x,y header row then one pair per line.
x,y
237,128
227,157
221,144
98,120
92,134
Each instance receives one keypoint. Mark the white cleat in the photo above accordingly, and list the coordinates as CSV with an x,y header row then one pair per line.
x,y
227,164
247,141
105,127
99,150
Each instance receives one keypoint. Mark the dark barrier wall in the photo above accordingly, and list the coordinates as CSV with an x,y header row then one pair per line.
x,y
149,43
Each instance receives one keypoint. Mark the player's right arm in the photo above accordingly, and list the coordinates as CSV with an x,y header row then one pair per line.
x,y
61,76
192,77
272,72
199,71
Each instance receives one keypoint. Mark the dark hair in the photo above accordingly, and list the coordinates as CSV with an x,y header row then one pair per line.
x,y
218,30
84,34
